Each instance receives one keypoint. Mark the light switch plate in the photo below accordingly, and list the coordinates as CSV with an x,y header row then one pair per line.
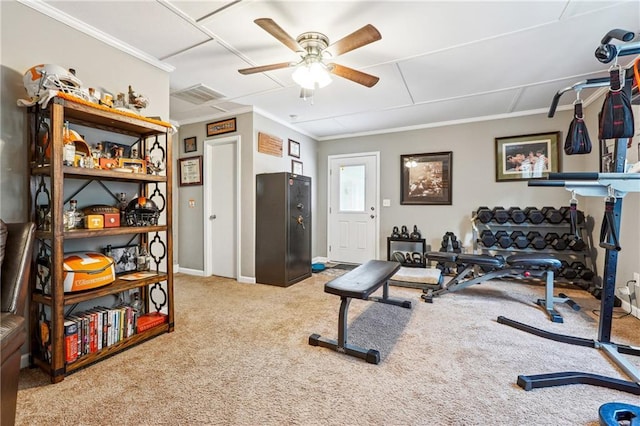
x,y
386,203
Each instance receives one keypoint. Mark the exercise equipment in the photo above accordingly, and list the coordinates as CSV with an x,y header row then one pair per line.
x,y
477,268
536,240
519,239
613,413
484,214
359,283
501,215
614,186
517,215
534,215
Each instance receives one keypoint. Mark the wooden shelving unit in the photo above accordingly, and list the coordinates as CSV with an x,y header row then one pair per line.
x,y
48,177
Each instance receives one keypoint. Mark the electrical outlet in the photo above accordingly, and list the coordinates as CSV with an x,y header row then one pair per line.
x,y
624,291
636,278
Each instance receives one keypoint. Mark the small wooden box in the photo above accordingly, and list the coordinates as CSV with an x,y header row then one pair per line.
x,y
94,221
111,220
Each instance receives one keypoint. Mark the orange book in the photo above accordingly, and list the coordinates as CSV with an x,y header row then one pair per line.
x,y
70,341
150,320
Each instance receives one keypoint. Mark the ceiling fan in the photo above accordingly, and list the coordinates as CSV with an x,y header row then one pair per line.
x,y
313,47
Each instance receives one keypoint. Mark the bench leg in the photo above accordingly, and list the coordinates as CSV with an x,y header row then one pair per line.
x,y
372,356
549,300
390,300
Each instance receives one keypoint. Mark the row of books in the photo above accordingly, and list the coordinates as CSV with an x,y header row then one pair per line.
x,y
98,328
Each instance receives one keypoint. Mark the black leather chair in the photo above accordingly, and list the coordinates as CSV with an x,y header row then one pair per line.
x,y
16,248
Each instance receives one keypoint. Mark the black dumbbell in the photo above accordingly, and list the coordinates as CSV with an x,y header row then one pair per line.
x,y
586,274
517,215
566,214
484,214
569,271
504,240
536,240
560,243
501,215
487,238
552,215
519,239
550,236
534,215
576,243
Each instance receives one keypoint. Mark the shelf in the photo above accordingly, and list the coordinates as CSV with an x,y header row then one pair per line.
x,y
118,286
91,358
102,232
85,173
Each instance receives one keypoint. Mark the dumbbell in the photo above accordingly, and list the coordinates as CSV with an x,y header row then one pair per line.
x,y
586,274
552,215
568,271
519,239
560,243
566,214
550,236
487,238
484,214
517,215
534,215
504,240
536,240
575,243
501,215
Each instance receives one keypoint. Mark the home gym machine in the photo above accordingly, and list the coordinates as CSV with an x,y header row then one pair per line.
x,y
613,187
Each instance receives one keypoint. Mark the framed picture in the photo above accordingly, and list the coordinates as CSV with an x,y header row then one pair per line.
x,y
296,167
137,165
190,144
114,148
221,127
124,258
527,157
294,149
190,170
426,178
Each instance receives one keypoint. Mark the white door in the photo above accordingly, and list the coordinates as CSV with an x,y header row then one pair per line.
x,y
221,197
353,208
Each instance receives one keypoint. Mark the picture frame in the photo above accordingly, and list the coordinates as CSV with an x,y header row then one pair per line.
x,y
426,179
294,148
124,258
296,167
527,157
190,144
110,148
138,166
190,170
221,127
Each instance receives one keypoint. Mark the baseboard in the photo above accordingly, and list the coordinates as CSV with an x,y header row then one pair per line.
x,y
320,260
188,271
634,309
24,361
247,280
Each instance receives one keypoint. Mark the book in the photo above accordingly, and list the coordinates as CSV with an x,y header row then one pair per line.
x,y
150,320
70,341
137,276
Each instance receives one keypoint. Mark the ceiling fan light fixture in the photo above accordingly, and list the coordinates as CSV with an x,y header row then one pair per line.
x,y
314,75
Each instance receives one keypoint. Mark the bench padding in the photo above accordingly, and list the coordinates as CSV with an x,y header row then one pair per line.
x,y
533,260
363,280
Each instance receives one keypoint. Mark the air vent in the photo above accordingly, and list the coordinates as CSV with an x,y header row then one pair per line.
x,y
198,94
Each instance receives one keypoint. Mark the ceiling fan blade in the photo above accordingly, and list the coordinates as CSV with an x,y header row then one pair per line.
x,y
362,37
265,68
281,35
354,75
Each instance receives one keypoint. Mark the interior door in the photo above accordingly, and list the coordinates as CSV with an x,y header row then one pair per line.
x,y
222,210
353,208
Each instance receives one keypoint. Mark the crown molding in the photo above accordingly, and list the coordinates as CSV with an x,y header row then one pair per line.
x,y
78,25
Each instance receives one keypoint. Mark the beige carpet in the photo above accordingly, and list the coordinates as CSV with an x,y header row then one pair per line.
x,y
240,356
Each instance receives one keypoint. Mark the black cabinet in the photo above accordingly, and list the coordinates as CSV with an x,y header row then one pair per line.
x,y
283,228
410,250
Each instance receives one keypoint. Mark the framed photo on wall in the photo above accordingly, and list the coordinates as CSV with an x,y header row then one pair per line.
x,y
190,171
426,178
527,156
221,127
190,144
294,149
296,167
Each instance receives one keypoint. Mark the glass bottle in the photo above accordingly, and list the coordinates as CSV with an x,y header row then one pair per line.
x,y
69,153
144,260
70,215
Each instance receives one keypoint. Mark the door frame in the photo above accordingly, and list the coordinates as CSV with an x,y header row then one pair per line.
x,y
376,154
208,202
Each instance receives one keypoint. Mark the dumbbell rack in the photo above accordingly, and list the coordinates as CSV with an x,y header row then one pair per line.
x,y
419,246
582,276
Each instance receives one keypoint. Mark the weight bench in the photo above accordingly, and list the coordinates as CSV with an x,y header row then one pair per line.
x,y
477,268
359,283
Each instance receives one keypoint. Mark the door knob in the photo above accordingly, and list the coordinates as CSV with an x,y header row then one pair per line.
x,y
213,216
372,217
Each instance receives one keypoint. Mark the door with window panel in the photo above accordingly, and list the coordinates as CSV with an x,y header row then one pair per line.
x,y
353,208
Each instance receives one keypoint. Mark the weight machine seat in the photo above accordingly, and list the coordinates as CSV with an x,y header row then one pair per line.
x,y
481,260
442,256
537,260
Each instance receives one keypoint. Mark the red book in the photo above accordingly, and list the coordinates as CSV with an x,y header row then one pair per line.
x,y
70,341
150,320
